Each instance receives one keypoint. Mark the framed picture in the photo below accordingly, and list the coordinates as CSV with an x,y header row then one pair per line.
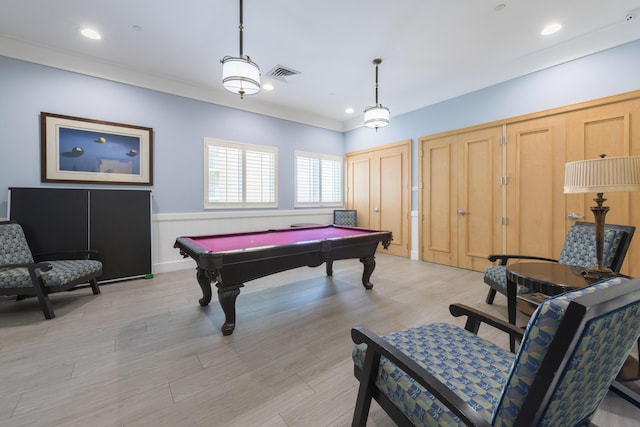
x,y
74,149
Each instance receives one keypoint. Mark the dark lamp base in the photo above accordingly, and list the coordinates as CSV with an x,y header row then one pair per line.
x,y
597,273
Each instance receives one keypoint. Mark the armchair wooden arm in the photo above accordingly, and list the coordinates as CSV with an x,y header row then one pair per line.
x,y
505,258
377,347
42,266
476,317
67,255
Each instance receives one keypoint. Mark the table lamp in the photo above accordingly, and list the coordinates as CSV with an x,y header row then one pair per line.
x,y
605,174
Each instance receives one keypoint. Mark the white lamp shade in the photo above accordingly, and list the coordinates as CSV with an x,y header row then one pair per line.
x,y
603,175
240,75
376,117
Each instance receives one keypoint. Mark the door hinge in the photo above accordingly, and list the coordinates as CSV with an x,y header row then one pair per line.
x,y
503,180
503,220
503,140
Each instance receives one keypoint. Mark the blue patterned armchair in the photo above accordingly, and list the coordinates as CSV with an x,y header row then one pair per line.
x,y
347,217
579,249
441,375
20,275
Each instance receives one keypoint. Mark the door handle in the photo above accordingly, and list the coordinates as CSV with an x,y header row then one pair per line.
x,y
573,215
376,210
462,212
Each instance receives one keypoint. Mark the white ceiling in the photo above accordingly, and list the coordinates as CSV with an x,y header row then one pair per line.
x,y
432,50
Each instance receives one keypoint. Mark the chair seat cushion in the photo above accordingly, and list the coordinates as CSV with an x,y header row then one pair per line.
x,y
475,369
62,273
496,277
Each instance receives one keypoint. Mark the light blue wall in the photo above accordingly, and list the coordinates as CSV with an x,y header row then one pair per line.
x,y
610,72
179,125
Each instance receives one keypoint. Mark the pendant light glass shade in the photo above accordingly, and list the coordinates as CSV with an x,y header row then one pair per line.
x,y
376,116
240,74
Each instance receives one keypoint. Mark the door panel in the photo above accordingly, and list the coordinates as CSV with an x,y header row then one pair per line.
x,y
479,229
439,201
613,130
378,186
358,188
460,201
392,195
535,197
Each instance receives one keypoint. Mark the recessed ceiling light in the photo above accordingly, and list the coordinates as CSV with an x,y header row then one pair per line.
x,y
349,110
90,34
550,29
267,86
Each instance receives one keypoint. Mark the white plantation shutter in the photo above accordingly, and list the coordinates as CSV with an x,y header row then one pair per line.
x,y
307,180
318,180
260,181
331,181
239,175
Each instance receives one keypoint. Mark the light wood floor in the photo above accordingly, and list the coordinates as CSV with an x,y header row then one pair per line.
x,y
144,353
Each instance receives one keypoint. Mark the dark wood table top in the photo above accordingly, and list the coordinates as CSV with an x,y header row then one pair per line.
x,y
549,278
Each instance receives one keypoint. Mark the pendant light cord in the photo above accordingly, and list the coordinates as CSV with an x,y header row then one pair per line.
x,y
241,26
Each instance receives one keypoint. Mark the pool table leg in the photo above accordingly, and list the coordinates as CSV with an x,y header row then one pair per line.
x,y
369,264
204,280
227,297
330,267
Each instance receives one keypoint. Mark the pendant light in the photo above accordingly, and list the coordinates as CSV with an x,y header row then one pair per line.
x,y
240,74
377,116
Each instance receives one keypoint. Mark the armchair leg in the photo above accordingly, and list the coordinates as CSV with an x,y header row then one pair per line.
x,y
41,293
363,404
45,303
491,295
94,286
47,308
367,380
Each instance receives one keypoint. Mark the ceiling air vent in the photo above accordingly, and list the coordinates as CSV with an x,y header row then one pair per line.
x,y
282,73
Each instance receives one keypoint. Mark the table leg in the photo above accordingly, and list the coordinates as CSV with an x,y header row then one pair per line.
x,y
204,280
512,289
227,297
330,267
369,265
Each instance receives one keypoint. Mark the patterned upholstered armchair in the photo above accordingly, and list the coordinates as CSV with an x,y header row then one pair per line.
x,y
579,249
23,276
440,374
348,217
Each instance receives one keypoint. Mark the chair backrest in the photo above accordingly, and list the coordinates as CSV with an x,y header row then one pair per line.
x,y
580,245
348,217
14,248
572,349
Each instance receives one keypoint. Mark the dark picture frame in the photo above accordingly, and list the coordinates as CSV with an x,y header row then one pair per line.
x,y
79,150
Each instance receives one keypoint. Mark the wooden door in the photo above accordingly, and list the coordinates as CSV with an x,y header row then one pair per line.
x,y
460,200
535,220
359,187
392,203
378,187
438,200
614,130
479,197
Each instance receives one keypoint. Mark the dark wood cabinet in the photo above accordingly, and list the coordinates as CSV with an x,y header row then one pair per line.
x,y
117,223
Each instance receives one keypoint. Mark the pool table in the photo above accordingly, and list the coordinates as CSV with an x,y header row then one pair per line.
x,y
230,260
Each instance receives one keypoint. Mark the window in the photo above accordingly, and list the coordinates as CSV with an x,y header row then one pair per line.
x,y
318,180
239,175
